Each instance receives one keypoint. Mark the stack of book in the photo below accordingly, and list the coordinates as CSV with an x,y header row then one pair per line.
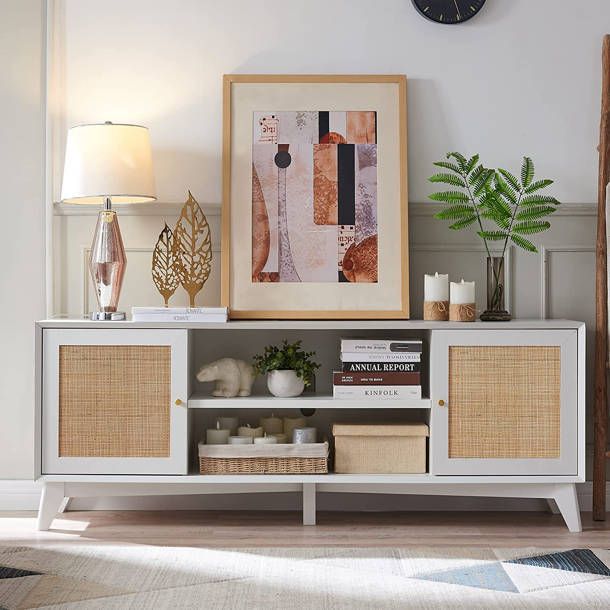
x,y
179,314
379,369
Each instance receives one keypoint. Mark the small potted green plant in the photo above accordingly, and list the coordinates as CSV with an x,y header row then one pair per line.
x,y
289,368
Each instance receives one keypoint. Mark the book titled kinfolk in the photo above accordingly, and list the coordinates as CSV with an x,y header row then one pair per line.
x,y
382,392
381,345
179,314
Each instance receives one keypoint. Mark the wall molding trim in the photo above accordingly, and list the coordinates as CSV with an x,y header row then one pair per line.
x,y
565,209
166,208
123,209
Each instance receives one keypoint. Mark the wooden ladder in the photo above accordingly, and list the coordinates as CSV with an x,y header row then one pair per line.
x,y
600,415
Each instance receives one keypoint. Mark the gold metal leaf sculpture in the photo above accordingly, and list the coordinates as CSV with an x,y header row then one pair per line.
x,y
164,272
192,248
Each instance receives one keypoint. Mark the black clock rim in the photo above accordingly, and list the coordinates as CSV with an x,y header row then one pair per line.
x,y
423,14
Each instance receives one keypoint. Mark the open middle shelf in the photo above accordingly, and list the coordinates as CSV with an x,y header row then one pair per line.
x,y
305,401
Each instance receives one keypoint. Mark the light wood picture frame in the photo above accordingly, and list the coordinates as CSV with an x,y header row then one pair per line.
x,y
314,211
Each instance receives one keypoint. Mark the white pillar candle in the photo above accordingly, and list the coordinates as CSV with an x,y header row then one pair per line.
x,y
230,423
290,423
436,287
248,431
462,293
265,440
271,425
304,435
240,440
217,436
281,438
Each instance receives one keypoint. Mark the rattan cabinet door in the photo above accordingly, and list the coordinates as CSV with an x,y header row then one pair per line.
x,y
109,402
505,402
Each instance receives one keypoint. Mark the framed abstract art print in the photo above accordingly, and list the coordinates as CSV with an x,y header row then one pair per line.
x,y
314,217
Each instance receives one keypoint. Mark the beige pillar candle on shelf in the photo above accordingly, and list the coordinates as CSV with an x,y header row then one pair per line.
x,y
281,438
229,422
217,436
436,297
240,440
290,423
265,440
462,306
271,425
249,431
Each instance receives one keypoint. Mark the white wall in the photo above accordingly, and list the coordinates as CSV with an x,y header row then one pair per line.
x,y
22,267
520,78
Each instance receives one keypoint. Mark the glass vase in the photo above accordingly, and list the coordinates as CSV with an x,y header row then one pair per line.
x,y
496,310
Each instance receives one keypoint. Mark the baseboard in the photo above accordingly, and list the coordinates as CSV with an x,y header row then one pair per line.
x,y
19,495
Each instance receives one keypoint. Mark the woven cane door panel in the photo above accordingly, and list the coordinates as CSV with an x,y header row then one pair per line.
x,y
114,401
504,402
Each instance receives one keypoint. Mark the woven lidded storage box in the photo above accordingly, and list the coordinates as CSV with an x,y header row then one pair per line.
x,y
380,448
309,458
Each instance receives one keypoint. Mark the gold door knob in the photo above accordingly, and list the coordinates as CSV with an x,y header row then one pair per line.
x,y
178,402
441,403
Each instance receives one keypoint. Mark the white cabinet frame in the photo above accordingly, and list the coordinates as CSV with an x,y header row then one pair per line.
x,y
176,463
571,416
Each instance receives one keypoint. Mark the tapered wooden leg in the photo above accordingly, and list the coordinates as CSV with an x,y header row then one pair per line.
x,y
567,502
51,500
309,503
552,506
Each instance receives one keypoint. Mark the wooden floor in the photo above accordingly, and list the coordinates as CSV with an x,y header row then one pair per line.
x,y
266,529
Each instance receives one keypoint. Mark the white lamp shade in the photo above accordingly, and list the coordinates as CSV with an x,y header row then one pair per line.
x,y
108,160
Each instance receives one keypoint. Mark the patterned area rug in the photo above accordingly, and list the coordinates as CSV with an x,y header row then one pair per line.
x,y
74,576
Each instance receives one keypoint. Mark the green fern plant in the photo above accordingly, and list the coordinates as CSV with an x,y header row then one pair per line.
x,y
514,208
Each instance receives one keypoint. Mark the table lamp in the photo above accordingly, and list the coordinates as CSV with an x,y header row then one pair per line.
x,y
108,163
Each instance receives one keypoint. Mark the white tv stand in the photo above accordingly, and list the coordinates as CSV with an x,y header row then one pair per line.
x,y
544,459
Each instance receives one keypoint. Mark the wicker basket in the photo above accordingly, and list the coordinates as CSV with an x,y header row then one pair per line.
x,y
264,459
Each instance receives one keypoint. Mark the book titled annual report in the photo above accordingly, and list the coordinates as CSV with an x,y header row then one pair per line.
x,y
381,367
381,392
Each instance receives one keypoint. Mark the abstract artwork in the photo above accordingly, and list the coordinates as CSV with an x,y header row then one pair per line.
x,y
314,212
314,196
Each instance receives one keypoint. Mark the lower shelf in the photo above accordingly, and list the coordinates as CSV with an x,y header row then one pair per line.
x,y
382,479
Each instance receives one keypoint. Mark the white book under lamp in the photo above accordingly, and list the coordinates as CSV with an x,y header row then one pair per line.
x,y
108,163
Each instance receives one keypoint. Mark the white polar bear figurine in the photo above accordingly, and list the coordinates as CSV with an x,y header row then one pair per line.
x,y
233,377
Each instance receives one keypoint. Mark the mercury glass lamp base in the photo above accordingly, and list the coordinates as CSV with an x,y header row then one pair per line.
x,y
107,315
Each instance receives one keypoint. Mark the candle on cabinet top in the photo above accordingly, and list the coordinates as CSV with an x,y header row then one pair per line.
x,y
272,424
281,438
249,431
462,293
436,287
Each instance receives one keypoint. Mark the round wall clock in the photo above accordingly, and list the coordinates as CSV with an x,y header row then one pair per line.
x,y
448,11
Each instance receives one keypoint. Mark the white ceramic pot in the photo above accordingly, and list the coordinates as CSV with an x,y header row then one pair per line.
x,y
285,383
